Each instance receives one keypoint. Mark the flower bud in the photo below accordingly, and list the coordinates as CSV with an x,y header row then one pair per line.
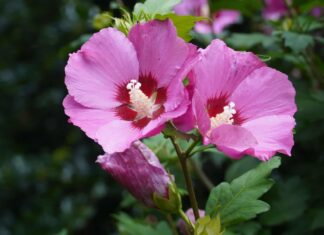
x,y
182,225
141,173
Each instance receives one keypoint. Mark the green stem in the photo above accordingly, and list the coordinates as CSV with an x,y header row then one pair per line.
x,y
201,175
183,161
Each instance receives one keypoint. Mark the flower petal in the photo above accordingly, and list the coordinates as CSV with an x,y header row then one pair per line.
x,y
89,120
265,92
200,113
117,136
159,50
224,18
107,60
222,69
139,171
234,141
273,133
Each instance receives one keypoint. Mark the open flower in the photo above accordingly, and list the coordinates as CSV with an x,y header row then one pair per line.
x,y
220,19
139,171
122,89
241,105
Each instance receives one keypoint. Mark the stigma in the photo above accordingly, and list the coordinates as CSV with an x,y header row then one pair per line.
x,y
226,117
141,103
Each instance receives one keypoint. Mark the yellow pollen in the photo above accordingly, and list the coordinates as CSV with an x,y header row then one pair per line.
x,y
226,117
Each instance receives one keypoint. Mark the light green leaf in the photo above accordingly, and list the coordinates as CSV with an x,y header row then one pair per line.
x,y
247,41
238,201
297,42
154,7
183,24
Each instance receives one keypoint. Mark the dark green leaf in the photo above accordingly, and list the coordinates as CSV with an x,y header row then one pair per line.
x,y
285,205
128,226
238,201
246,7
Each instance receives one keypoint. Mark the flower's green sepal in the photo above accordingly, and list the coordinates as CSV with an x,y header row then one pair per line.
x,y
172,204
208,226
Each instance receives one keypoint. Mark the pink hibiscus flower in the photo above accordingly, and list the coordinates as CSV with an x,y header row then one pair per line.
x,y
220,19
139,171
274,9
122,89
241,105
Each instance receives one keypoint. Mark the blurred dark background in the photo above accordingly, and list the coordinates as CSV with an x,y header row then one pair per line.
x,y
49,182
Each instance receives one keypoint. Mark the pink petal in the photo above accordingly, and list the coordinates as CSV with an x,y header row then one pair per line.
x,y
221,69
106,61
89,120
273,133
190,7
200,113
186,122
264,92
139,171
223,19
234,141
156,124
274,9
159,50
117,136
203,27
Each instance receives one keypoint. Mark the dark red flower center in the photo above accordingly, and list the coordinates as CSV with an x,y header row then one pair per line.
x,y
142,100
222,111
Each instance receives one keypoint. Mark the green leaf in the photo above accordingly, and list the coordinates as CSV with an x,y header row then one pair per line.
x,y
246,7
247,41
286,206
155,7
183,24
264,58
128,226
297,42
238,168
238,201
208,226
317,222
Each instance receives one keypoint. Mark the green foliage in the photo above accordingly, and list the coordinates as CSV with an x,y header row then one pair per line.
x,y
238,201
208,226
154,7
247,7
247,41
102,20
285,205
183,24
128,226
297,42
171,204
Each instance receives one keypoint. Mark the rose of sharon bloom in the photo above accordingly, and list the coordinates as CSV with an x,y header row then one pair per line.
x,y
182,225
241,105
122,89
139,171
220,19
274,9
